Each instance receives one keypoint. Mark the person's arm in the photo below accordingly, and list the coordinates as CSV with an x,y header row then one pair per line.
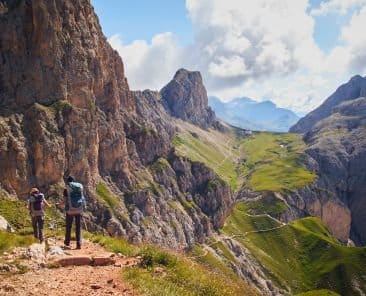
x,y
46,203
62,203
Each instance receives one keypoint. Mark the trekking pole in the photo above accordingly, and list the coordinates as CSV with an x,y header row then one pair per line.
x,y
86,228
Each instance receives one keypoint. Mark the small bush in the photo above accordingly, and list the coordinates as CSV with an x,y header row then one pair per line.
x,y
152,257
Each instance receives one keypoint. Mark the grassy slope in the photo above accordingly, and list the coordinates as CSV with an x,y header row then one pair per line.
x,y
271,161
301,255
216,155
277,161
182,275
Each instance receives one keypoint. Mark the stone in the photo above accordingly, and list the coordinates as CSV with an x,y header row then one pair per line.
x,y
102,261
56,251
36,252
7,288
159,270
4,225
74,261
95,286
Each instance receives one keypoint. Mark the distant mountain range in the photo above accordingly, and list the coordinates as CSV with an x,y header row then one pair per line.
x,y
249,114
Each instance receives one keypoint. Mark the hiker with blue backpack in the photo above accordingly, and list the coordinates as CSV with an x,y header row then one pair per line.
x,y
36,203
74,206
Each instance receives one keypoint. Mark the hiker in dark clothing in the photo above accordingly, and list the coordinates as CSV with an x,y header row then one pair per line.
x,y
36,205
74,205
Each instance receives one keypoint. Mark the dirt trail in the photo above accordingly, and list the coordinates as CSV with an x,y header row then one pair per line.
x,y
71,280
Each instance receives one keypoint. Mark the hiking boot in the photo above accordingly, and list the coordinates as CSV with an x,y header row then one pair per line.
x,y
66,247
78,247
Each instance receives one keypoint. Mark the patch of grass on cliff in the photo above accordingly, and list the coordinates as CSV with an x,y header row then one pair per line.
x,y
159,165
104,196
211,261
10,240
276,162
301,255
15,212
61,105
268,204
206,152
182,276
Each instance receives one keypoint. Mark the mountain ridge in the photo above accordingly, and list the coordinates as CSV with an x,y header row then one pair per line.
x,y
249,114
353,89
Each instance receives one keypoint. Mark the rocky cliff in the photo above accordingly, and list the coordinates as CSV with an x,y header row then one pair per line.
x,y
66,108
336,138
185,97
353,89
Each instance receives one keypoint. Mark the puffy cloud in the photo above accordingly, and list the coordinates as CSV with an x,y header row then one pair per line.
x,y
263,38
338,6
149,65
263,49
228,67
355,38
350,56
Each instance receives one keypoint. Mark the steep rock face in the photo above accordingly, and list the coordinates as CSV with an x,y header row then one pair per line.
x,y
338,144
336,137
54,50
185,97
54,56
353,89
66,108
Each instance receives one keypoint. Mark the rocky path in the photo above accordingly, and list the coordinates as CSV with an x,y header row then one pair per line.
x,y
89,271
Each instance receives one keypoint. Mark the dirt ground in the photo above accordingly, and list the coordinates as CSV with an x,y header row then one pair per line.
x,y
70,280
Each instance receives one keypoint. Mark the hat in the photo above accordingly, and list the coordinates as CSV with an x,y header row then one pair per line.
x,y
70,179
34,190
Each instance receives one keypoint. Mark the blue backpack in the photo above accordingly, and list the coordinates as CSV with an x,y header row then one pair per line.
x,y
76,200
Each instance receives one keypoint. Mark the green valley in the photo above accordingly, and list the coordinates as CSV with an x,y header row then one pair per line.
x,y
262,161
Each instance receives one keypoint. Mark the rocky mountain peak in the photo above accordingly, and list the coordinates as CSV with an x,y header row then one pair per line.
x,y
353,89
185,97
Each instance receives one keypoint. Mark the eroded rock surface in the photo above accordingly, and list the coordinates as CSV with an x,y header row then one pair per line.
x,y
66,108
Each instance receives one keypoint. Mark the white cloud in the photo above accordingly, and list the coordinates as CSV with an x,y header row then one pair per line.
x,y
268,37
149,65
355,39
350,57
228,67
336,6
263,49
299,92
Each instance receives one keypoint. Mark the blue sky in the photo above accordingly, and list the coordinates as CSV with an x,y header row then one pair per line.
x,y
295,52
142,19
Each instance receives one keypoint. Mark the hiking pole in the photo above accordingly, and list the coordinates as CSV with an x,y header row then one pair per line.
x,y
86,228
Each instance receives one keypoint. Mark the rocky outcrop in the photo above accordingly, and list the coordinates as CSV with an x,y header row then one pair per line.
x,y
351,90
4,225
338,144
66,108
335,135
185,97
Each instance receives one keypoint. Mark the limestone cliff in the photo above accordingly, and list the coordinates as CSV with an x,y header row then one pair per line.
x,y
66,108
336,137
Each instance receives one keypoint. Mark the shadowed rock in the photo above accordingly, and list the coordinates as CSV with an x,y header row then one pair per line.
x,y
185,97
